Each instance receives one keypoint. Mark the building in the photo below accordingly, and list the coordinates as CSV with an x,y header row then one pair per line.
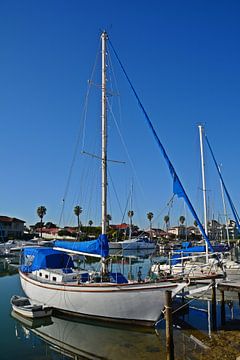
x,y
11,228
217,231
178,231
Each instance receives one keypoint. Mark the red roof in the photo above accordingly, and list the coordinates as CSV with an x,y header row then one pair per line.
x,y
120,226
10,219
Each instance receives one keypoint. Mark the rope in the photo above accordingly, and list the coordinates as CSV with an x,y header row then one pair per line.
x,y
178,187
180,307
83,116
125,147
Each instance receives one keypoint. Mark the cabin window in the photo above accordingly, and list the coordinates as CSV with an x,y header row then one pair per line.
x,y
46,276
54,278
40,274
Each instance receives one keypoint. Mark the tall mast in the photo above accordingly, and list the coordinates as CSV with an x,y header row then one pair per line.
x,y
104,136
200,127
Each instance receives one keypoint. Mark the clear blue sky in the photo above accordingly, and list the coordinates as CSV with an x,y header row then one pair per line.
x,y
183,58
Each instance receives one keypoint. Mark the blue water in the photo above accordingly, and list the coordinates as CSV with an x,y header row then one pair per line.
x,y
62,338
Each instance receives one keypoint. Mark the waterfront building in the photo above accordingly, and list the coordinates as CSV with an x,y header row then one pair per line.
x,y
11,228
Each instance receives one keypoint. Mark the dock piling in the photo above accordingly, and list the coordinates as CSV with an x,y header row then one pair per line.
x,y
223,314
169,326
214,305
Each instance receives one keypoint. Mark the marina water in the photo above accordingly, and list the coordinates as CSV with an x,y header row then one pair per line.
x,y
61,337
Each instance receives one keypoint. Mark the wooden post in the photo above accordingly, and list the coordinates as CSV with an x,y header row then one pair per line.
x,y
223,314
214,305
169,326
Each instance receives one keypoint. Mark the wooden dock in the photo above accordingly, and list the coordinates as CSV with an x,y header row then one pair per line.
x,y
226,285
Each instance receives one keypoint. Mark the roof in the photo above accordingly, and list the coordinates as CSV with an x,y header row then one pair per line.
x,y
10,219
120,226
48,231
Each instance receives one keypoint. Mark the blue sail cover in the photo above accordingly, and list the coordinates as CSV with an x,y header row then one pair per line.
x,y
186,251
178,188
44,258
202,249
95,247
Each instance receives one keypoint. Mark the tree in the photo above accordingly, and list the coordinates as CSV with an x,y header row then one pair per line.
x,y
41,211
182,220
150,217
50,225
166,220
195,223
130,215
108,218
90,223
64,232
77,211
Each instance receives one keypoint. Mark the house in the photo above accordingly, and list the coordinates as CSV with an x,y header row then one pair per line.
x,y
219,232
11,227
120,227
178,231
155,233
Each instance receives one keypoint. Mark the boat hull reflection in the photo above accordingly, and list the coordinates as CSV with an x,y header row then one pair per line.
x,y
91,340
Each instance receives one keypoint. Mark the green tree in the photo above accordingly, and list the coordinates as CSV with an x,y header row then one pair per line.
x,y
90,223
77,211
41,211
195,223
50,225
130,215
182,220
109,218
150,217
166,220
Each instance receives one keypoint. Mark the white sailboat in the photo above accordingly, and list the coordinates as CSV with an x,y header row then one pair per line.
x,y
196,261
47,275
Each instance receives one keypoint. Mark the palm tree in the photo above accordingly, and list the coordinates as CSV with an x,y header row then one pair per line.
x,y
166,220
150,217
90,223
130,215
77,211
41,211
108,218
182,220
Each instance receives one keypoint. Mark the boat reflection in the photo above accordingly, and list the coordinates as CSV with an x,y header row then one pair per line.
x,y
7,268
88,340
144,253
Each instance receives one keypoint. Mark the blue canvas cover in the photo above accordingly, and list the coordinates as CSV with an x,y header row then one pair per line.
x,y
44,258
201,249
186,244
95,247
189,250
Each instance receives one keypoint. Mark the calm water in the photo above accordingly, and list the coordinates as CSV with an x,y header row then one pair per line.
x,y
64,338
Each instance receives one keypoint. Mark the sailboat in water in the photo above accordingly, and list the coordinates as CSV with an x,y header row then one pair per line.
x,y
48,275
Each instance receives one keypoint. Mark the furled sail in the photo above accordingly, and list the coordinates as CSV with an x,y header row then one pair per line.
x,y
177,185
98,247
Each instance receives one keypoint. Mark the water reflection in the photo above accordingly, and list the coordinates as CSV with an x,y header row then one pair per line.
x,y
8,266
64,338
89,340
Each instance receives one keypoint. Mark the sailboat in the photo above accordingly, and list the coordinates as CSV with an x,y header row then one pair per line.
x,y
188,260
48,275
